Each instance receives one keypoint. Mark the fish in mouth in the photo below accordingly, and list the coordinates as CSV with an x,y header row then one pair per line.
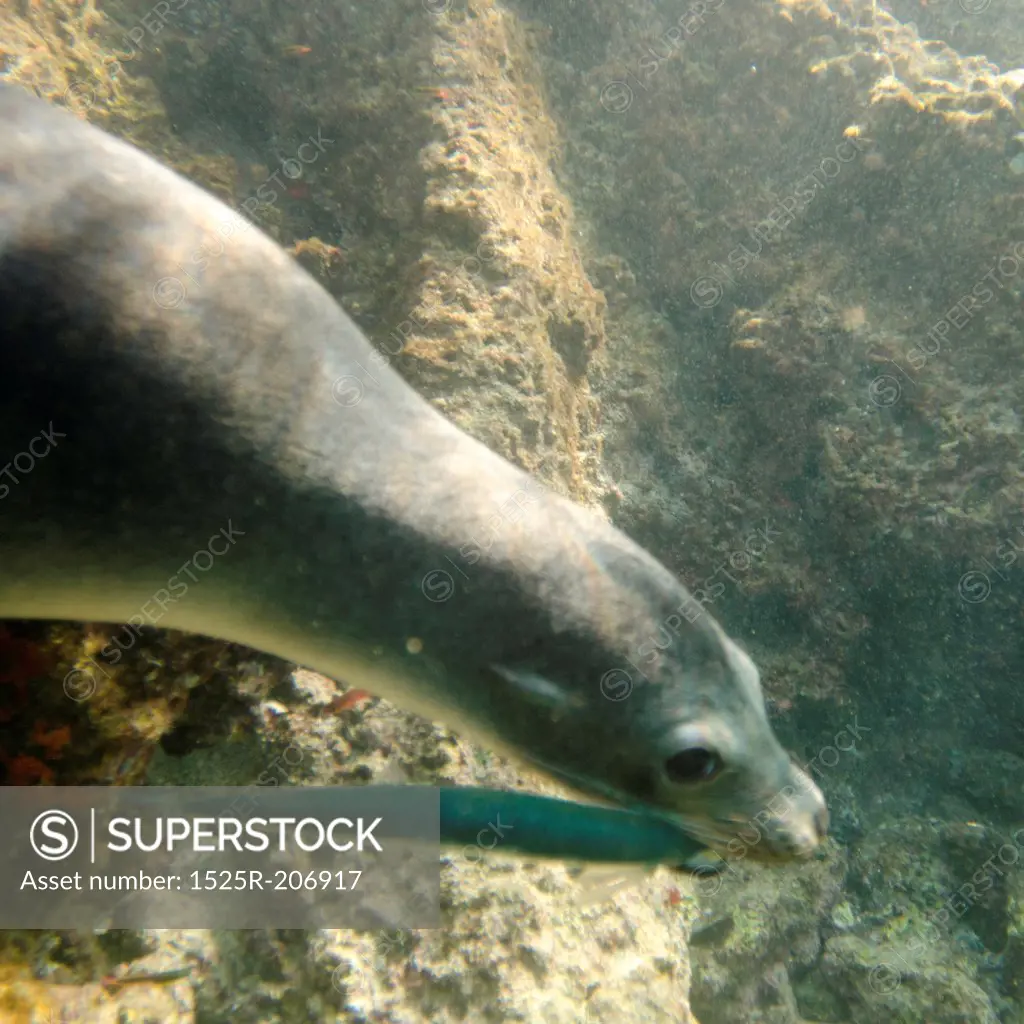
x,y
227,405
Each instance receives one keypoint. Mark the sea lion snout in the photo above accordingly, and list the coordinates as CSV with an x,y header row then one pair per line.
x,y
796,821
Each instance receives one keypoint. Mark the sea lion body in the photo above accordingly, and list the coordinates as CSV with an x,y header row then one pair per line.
x,y
225,454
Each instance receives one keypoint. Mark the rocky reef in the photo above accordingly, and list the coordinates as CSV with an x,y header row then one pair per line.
x,y
744,276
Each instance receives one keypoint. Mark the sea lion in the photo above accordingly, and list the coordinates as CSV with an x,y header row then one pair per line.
x,y
210,444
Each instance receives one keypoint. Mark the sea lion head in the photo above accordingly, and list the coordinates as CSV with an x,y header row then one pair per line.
x,y
722,771
633,692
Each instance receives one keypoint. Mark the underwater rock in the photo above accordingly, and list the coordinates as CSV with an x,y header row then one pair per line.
x,y
993,781
758,927
1013,955
897,986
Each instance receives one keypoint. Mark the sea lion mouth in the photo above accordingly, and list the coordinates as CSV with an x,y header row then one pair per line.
x,y
790,826
771,842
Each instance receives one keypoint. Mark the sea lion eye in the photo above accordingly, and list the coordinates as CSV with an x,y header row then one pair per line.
x,y
694,765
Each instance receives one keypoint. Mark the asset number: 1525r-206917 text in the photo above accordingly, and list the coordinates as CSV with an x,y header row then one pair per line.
x,y
249,881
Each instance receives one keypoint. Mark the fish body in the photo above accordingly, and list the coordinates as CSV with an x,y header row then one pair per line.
x,y
194,435
508,822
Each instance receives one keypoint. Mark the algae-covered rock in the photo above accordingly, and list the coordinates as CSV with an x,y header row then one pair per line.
x,y
1013,957
993,781
25,1000
757,929
894,985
